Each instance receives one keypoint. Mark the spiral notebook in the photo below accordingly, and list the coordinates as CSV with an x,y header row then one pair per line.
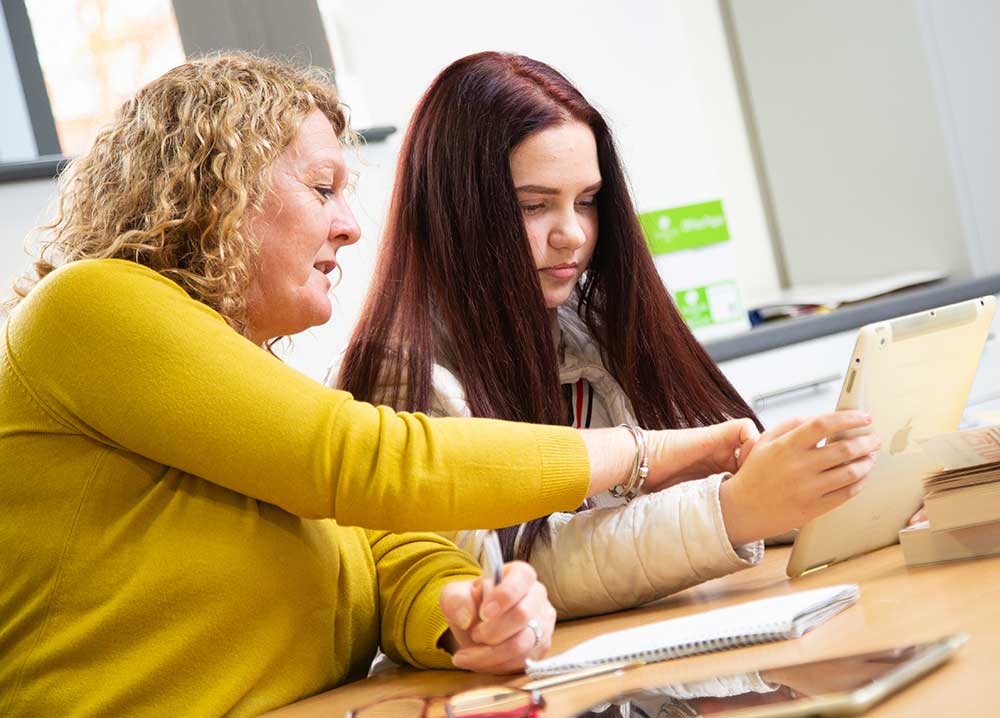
x,y
745,624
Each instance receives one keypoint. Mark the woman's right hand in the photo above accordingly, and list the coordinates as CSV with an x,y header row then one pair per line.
x,y
787,479
495,635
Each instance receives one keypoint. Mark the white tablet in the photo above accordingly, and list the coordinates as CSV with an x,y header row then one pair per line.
x,y
913,376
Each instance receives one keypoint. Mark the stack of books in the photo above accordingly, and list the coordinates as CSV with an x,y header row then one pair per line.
x,y
962,500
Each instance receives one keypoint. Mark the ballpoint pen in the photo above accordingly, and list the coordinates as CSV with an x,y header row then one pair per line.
x,y
491,559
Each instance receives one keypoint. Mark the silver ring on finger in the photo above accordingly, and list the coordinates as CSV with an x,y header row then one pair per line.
x,y
536,628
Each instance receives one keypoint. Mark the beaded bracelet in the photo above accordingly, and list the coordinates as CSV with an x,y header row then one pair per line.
x,y
640,467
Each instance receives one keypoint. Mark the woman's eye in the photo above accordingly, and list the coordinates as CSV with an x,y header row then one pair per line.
x,y
531,208
591,202
324,192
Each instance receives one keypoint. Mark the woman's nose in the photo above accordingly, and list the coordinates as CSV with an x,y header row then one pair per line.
x,y
344,229
568,234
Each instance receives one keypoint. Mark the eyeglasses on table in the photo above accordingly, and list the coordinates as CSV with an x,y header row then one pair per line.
x,y
486,702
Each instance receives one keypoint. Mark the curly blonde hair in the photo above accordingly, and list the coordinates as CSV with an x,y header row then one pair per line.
x,y
171,184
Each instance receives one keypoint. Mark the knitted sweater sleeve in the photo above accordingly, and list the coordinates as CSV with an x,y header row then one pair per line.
x,y
123,355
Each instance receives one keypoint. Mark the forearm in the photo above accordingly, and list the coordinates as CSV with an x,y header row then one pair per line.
x,y
619,557
674,455
739,526
611,453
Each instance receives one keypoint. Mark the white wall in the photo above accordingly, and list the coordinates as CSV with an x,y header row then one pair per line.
x,y
725,137
851,136
963,53
659,71
23,206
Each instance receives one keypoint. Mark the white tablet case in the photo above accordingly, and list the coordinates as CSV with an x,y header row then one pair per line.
x,y
913,375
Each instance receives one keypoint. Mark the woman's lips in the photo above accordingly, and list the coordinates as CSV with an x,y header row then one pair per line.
x,y
560,271
324,271
325,268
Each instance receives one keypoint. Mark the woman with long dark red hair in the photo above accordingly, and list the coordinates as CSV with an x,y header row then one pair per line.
x,y
514,282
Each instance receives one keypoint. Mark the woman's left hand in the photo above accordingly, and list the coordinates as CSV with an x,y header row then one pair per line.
x,y
514,623
678,455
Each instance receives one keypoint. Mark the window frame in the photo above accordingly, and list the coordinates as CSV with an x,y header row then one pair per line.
x,y
236,30
29,70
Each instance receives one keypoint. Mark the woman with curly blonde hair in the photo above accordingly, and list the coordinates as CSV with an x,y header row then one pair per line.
x,y
167,487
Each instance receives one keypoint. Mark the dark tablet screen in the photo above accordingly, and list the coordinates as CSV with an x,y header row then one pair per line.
x,y
736,693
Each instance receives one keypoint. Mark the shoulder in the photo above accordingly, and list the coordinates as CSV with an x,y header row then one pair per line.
x,y
88,273
97,290
87,302
96,284
449,395
578,344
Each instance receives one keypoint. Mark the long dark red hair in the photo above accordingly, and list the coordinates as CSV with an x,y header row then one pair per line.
x,y
455,273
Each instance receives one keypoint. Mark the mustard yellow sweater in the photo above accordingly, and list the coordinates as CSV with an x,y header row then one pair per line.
x,y
166,496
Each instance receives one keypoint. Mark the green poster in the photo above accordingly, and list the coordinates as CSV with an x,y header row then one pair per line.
x,y
687,227
717,303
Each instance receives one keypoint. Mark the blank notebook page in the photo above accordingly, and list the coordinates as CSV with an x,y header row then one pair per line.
x,y
762,621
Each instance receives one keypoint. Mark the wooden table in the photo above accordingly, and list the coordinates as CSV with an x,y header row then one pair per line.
x,y
898,604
